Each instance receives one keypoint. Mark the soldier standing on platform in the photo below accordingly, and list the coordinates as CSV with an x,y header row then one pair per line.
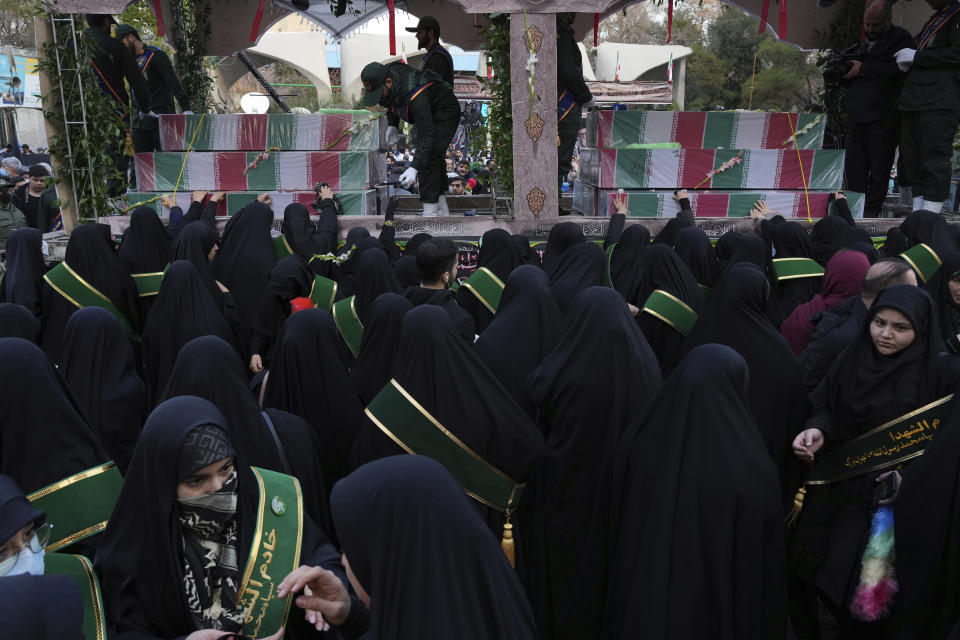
x,y
930,106
163,83
424,99
572,94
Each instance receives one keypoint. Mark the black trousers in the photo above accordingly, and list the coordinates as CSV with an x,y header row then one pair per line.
x,y
433,176
871,148
926,149
146,139
567,130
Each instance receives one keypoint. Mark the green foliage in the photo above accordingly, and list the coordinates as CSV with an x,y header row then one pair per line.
x,y
499,121
706,74
733,38
190,35
785,78
16,24
140,16
91,155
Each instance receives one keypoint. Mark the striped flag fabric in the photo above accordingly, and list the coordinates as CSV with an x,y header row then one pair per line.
x,y
331,130
704,129
278,171
616,75
592,201
774,169
670,69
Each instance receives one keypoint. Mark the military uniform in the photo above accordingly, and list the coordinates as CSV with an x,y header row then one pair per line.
x,y
930,108
112,62
425,100
572,94
164,86
11,219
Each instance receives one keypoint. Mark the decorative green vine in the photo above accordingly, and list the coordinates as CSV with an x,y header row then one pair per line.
x,y
499,121
190,37
90,157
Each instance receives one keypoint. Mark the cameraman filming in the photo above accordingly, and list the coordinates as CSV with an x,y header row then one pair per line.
x,y
873,83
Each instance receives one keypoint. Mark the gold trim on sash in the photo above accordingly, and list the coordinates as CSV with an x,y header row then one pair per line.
x,y
66,482
889,462
516,486
79,535
94,595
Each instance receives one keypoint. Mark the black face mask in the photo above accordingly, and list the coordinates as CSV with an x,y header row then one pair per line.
x,y
5,198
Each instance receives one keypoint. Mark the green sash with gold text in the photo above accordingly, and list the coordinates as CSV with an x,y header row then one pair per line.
x,y
148,284
923,259
888,445
81,571
485,287
412,427
671,310
281,248
79,506
323,292
348,322
795,268
81,293
274,553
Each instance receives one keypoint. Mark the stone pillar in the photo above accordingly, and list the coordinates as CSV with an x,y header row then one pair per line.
x,y
534,133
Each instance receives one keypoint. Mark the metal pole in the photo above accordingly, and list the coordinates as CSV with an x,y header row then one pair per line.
x,y
245,59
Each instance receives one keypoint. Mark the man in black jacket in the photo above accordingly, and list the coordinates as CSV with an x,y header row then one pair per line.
x,y
873,122
930,106
437,260
112,62
163,83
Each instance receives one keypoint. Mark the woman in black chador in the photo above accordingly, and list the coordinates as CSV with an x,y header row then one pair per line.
x,y
894,366
90,254
174,555
100,367
697,547
525,330
586,392
420,556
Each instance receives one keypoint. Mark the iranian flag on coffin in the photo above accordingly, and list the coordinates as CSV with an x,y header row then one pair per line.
x,y
280,171
768,169
328,131
355,202
704,129
724,204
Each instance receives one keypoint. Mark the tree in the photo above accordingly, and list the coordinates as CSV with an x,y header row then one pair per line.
x,y
785,81
16,24
706,74
733,38
633,25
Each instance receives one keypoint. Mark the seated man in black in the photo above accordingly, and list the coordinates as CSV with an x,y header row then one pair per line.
x,y
437,261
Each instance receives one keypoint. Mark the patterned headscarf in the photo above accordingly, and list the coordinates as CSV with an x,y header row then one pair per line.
x,y
208,528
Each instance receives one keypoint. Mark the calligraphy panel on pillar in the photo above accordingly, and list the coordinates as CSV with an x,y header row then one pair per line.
x,y
533,69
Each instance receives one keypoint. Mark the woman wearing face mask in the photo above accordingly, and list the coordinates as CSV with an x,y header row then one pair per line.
x,y
213,536
25,534
857,434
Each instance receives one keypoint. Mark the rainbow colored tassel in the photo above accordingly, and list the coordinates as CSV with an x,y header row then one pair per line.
x,y
877,583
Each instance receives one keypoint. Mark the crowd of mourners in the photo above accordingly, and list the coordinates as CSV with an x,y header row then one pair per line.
x,y
607,439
